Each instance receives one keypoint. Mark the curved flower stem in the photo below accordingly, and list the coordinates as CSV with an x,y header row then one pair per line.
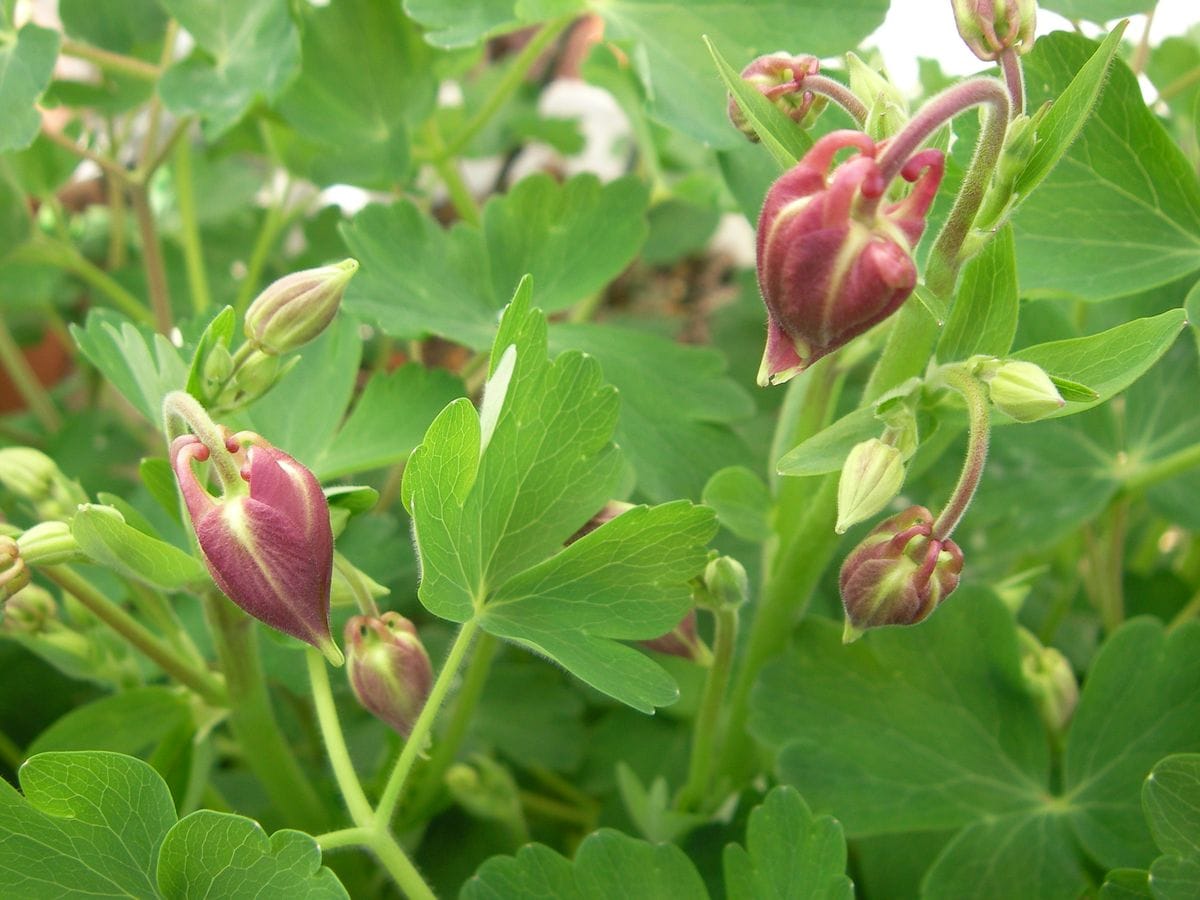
x,y
424,724
464,709
704,731
266,751
183,413
335,741
343,837
139,637
978,427
839,94
1014,79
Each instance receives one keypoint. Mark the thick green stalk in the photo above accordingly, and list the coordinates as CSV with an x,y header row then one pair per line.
x,y
193,249
252,718
152,260
58,253
1145,477
335,742
423,727
705,730
139,637
26,382
112,62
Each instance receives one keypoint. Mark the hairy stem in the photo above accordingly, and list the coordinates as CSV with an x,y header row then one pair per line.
x,y
978,428
335,741
1014,80
839,94
705,737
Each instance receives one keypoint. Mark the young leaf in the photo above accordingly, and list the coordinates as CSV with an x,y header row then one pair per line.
x,y
826,450
218,331
789,853
741,501
494,496
104,536
983,318
143,366
212,854
26,66
89,825
243,52
130,722
608,864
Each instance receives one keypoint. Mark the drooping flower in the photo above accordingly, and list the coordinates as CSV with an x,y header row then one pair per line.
x,y
270,548
832,259
989,27
780,78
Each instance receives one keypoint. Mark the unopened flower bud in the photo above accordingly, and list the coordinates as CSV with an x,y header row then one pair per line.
x,y
486,790
298,307
726,583
1050,680
887,111
49,544
681,641
989,27
35,477
1023,391
29,612
269,549
388,668
833,261
871,476
218,365
780,78
14,574
898,574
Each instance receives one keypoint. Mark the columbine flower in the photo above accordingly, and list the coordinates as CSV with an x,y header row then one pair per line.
x,y
388,668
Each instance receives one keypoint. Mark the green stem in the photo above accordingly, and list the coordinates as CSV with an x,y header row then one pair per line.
x,y
10,752
152,259
272,225
978,429
451,739
52,251
193,249
447,168
1014,80
400,867
344,837
252,718
158,612
839,94
112,62
550,808
1179,85
424,724
505,87
148,644
1162,470
705,736
111,167
183,413
1190,610
26,382
335,742
115,258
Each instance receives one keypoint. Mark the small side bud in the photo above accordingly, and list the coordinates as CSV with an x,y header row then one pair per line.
x,y
871,476
35,477
898,574
298,307
780,78
14,574
989,27
487,790
30,612
1023,391
49,544
726,583
1051,681
388,668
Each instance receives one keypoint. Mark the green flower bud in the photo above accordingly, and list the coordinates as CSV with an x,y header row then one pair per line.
x,y
49,544
1050,680
486,790
298,307
887,111
35,477
1022,390
14,574
29,612
871,476
726,583
989,27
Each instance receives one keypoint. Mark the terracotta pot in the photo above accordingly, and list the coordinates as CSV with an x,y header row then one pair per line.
x,y
50,361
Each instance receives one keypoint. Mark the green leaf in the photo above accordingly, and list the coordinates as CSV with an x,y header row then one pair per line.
x,y
1097,10
826,450
1121,212
122,26
741,501
673,63
388,420
983,318
608,864
790,853
419,279
244,51
130,722
1067,116
211,854
26,66
218,331
1126,884
360,105
494,496
142,365
785,140
1171,800
547,733
1138,705
89,825
673,447
1175,878
468,22
1108,362
104,536
947,694
651,810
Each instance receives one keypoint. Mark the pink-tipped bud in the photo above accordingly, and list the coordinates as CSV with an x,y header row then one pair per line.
x,y
780,78
388,668
833,261
898,574
270,550
989,27
298,307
